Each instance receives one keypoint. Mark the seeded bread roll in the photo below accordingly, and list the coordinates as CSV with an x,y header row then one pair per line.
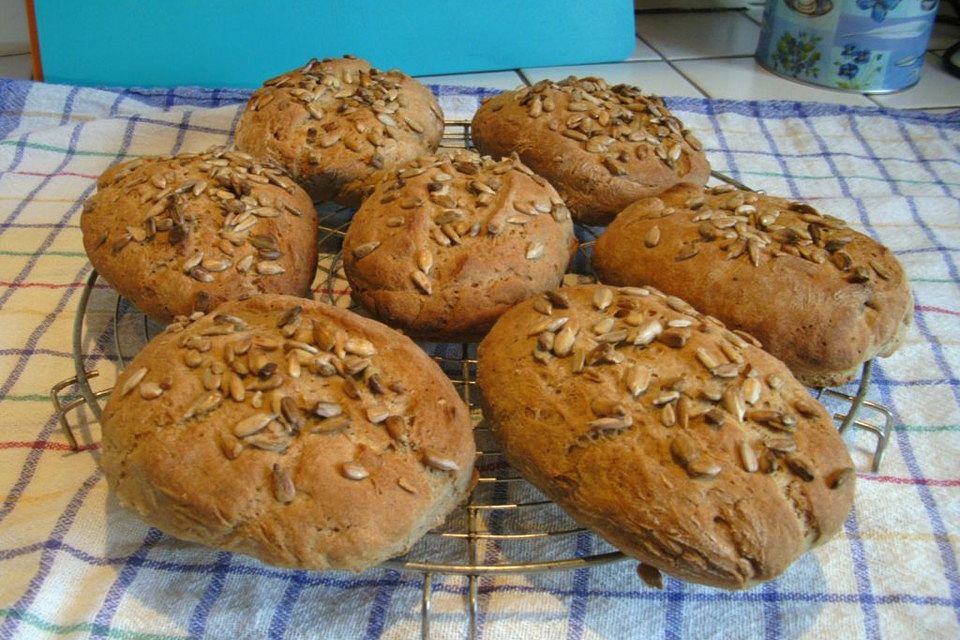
x,y
176,234
291,431
448,243
818,295
334,122
602,147
675,439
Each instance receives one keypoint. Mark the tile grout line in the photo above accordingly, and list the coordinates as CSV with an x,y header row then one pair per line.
x,y
672,66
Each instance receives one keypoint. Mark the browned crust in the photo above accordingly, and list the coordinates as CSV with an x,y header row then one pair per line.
x,y
150,273
628,485
640,132
370,120
473,281
804,310
173,473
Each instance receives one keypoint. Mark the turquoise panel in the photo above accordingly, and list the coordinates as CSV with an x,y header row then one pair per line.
x,y
216,43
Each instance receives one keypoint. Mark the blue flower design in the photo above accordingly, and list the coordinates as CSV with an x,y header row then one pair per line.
x,y
848,70
849,50
878,8
862,56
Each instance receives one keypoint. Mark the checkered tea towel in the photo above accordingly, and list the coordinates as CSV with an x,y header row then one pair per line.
x,y
75,565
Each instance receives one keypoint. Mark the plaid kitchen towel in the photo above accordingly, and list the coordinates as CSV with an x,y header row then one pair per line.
x,y
73,564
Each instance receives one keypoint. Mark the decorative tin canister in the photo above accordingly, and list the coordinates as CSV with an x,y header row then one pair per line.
x,y
866,46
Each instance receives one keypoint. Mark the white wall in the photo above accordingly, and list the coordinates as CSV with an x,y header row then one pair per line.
x,y
13,28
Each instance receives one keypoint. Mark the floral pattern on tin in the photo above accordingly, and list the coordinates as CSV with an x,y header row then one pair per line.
x,y
797,55
878,8
855,67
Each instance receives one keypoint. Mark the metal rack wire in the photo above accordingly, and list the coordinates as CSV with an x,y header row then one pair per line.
x,y
507,526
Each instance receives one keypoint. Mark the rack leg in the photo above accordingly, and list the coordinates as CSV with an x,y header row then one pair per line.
x,y
425,605
63,409
859,398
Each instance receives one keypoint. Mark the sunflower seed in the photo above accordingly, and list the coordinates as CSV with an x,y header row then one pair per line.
x,y
558,299
545,341
859,275
377,414
605,408
703,469
211,380
732,354
613,423
192,359
422,281
842,260
563,343
424,260
668,415
354,471
652,237
634,291
235,388
841,478
774,381
604,326
435,460
360,347
204,404
252,424
134,380
283,488
728,370
683,412
647,333
229,446
335,424
715,417
535,250
638,380
548,324
806,408
751,390
579,360
150,390
292,414
683,449
679,305
733,403
192,261
666,398
327,409
365,249
801,468
350,389
269,268
269,441
542,305
602,298
674,338
245,263
880,270
763,416
687,251
395,221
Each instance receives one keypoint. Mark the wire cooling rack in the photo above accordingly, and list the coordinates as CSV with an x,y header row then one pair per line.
x,y
507,526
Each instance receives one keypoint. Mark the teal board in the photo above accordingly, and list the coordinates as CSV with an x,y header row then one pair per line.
x,y
217,43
